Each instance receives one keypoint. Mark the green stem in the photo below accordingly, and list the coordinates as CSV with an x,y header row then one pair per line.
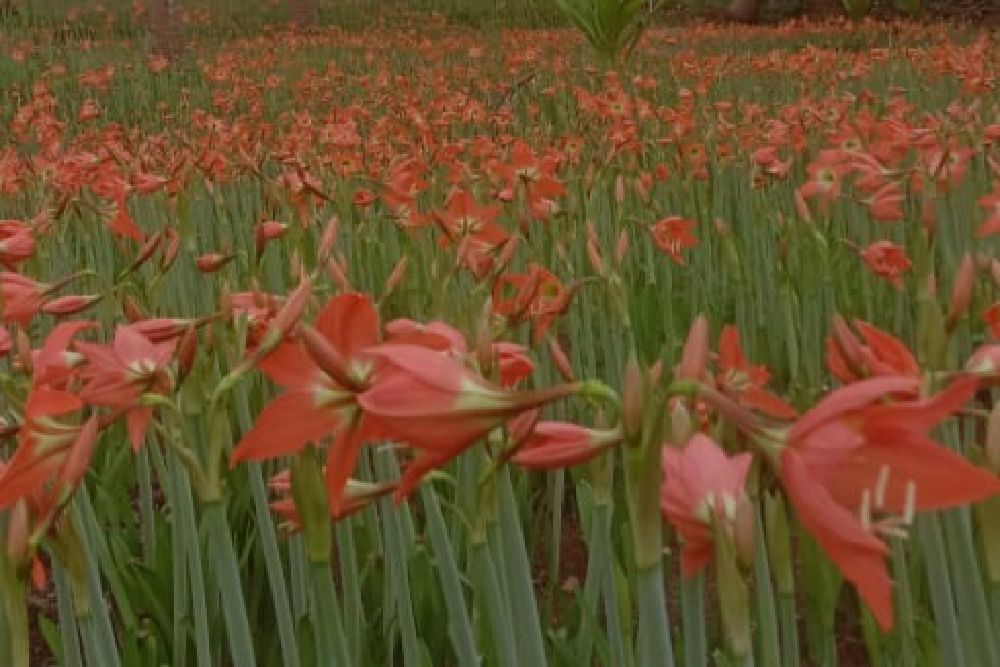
x,y
942,597
767,615
15,608
655,647
487,588
68,632
904,605
397,557
790,651
330,642
225,565
524,608
459,626
693,620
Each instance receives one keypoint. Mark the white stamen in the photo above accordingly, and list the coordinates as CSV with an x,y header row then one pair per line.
x,y
866,509
881,485
910,504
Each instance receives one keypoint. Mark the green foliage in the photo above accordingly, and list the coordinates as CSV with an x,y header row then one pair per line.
x,y
613,27
857,9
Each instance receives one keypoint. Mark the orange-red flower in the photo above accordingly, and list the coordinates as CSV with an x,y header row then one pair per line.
x,y
887,260
117,376
322,375
673,235
744,381
704,489
434,403
856,467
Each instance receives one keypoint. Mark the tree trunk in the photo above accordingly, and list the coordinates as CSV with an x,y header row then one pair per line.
x,y
166,32
305,13
747,11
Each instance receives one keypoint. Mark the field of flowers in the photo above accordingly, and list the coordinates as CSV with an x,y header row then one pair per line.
x,y
405,341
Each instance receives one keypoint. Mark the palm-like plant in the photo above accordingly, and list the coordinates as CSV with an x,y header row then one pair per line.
x,y
613,27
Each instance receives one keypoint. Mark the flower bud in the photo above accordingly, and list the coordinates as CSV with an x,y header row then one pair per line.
x,y
694,358
211,262
70,305
681,424
633,399
961,290
560,360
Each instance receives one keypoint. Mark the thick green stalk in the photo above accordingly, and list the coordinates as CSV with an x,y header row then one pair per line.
x,y
98,621
768,644
459,625
654,644
942,597
15,610
225,566
488,591
693,620
397,558
531,648
68,632
904,605
329,628
269,545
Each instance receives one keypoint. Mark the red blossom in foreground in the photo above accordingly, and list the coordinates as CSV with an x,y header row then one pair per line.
x,y
119,374
435,404
877,354
856,467
322,375
704,489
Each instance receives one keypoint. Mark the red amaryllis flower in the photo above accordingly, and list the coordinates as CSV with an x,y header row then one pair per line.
x,y
552,445
22,297
434,403
118,375
887,260
536,295
744,381
704,489
122,224
881,354
825,176
51,447
472,229
673,235
855,467
321,375
17,243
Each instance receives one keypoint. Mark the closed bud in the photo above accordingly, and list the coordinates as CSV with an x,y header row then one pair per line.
x,y
694,358
171,247
268,231
681,424
328,239
397,276
961,290
560,360
146,251
133,311
619,189
621,248
187,351
70,305
507,251
633,399
337,275
211,262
